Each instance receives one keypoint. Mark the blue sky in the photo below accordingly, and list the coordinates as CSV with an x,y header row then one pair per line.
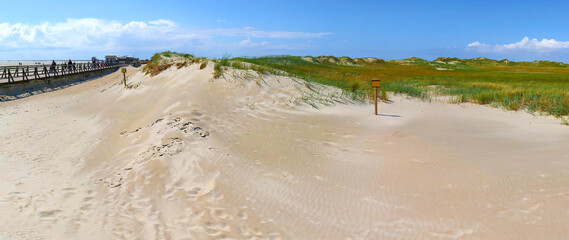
x,y
517,30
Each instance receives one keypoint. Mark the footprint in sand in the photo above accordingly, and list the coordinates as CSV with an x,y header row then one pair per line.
x,y
242,215
49,213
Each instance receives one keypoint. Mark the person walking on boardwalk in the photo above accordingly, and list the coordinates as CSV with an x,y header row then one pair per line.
x,y
69,65
52,67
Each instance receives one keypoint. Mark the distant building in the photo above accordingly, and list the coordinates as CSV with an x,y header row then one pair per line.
x,y
127,59
111,59
120,59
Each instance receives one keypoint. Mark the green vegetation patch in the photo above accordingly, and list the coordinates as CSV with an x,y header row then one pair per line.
x,y
164,60
539,86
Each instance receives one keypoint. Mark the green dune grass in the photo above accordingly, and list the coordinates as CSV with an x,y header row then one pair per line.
x,y
540,86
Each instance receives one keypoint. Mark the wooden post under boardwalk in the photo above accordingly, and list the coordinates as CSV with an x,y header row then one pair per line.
x,y
375,84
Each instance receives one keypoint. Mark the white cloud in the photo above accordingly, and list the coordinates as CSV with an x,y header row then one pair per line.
x,y
163,22
476,44
252,32
83,33
91,35
526,44
248,43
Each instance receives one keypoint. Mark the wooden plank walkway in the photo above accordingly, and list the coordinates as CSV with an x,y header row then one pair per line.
x,y
12,74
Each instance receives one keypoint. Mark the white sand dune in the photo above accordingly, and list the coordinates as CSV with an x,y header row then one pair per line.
x,y
184,156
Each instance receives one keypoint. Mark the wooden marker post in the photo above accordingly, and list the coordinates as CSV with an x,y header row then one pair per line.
x,y
123,70
375,84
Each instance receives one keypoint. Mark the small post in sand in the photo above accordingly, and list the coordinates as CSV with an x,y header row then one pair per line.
x,y
123,70
375,84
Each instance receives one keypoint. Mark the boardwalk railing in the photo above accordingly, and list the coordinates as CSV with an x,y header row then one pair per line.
x,y
28,72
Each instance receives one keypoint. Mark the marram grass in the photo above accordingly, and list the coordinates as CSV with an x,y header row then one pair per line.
x,y
539,87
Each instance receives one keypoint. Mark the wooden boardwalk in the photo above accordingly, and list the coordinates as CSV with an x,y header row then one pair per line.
x,y
12,74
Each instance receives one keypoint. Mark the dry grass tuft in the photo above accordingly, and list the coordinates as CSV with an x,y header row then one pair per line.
x,y
203,64
164,60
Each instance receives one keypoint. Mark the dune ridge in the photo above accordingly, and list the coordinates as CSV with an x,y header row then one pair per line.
x,y
247,156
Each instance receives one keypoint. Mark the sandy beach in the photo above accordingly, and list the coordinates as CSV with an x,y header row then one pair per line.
x,y
186,156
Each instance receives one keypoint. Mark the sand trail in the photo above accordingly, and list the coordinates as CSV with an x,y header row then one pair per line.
x,y
246,156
